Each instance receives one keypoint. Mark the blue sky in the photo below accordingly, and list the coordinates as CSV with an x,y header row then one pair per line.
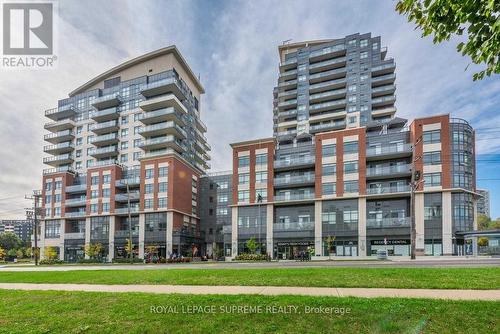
x,y
232,45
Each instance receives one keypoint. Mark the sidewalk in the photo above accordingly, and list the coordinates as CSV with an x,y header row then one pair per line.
x,y
266,290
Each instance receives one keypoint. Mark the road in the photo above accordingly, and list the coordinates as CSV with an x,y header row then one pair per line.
x,y
393,263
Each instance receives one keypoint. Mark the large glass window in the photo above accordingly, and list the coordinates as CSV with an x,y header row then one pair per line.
x,y
432,179
261,159
431,137
329,188
243,196
329,169
52,229
351,187
328,150
261,177
432,158
351,147
350,167
244,178
243,161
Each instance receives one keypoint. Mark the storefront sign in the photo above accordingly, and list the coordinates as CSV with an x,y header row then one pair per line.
x,y
296,243
391,242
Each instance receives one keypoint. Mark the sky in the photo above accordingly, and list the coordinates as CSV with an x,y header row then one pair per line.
x,y
232,46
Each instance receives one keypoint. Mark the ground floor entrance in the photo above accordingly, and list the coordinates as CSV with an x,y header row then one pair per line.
x,y
394,247
294,250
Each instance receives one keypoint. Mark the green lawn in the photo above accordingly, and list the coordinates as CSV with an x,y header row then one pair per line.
x,y
437,278
84,312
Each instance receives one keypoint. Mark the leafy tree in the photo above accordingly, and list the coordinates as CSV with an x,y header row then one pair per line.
x,y
251,245
9,240
129,248
20,253
483,222
28,252
2,253
483,241
50,253
329,243
93,250
150,251
445,18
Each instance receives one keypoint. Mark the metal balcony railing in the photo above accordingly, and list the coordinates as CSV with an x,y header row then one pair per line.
x,y
296,179
293,197
388,222
388,149
293,226
388,170
294,161
388,190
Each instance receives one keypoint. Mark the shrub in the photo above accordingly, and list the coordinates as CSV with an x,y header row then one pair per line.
x,y
51,261
91,261
126,260
179,260
252,257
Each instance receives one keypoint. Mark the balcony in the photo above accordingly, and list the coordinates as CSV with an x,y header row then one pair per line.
x,y
288,84
133,181
388,222
64,169
162,142
295,162
104,152
66,111
289,134
383,80
163,101
328,75
59,137
293,197
327,85
388,171
287,64
336,93
59,148
327,105
75,214
383,112
105,114
165,128
287,93
104,163
327,65
227,229
327,126
125,211
384,101
101,128
288,103
254,230
388,151
103,140
384,68
161,87
63,124
383,90
72,202
293,226
107,101
74,236
328,52
126,233
134,196
161,115
387,190
200,125
287,75
77,188
327,115
58,160
295,180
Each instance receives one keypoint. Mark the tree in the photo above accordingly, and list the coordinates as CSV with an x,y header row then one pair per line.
x,y
93,250
150,250
483,241
129,248
19,253
446,18
251,245
2,253
28,251
50,253
329,243
9,240
483,222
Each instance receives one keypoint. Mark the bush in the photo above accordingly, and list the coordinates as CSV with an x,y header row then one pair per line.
x,y
126,260
91,261
179,260
252,257
52,261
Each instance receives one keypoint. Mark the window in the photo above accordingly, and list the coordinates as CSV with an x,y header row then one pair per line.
x,y
124,145
137,142
350,167
261,159
363,77
351,186
124,157
350,217
148,188
94,180
262,193
162,171
94,194
106,192
124,133
223,185
243,196
57,211
90,139
375,46
149,173
243,161
352,119
79,141
78,153
351,42
329,218
329,169
431,137
94,208
432,158
148,203
106,179
105,207
222,211
58,185
351,109
124,119
222,198
329,188
52,229
48,199
243,178
79,130
351,147
57,198
363,43
137,155
162,187
162,202
261,177
352,88
352,99
137,117
328,150
136,129
363,55
432,179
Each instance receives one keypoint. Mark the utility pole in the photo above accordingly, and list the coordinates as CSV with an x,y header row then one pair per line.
x,y
415,178
34,212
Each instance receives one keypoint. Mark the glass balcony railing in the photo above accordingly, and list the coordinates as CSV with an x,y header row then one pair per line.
x,y
76,187
125,233
335,103
327,73
162,126
57,147
287,133
102,126
102,163
296,179
74,235
383,67
327,50
293,197
129,181
388,149
388,170
76,201
387,190
383,99
327,94
389,77
327,63
388,222
133,209
109,136
294,161
287,83
287,103
337,82
105,113
74,214
293,226
63,169
61,134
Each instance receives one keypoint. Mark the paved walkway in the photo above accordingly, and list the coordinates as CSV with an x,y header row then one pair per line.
x,y
266,290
